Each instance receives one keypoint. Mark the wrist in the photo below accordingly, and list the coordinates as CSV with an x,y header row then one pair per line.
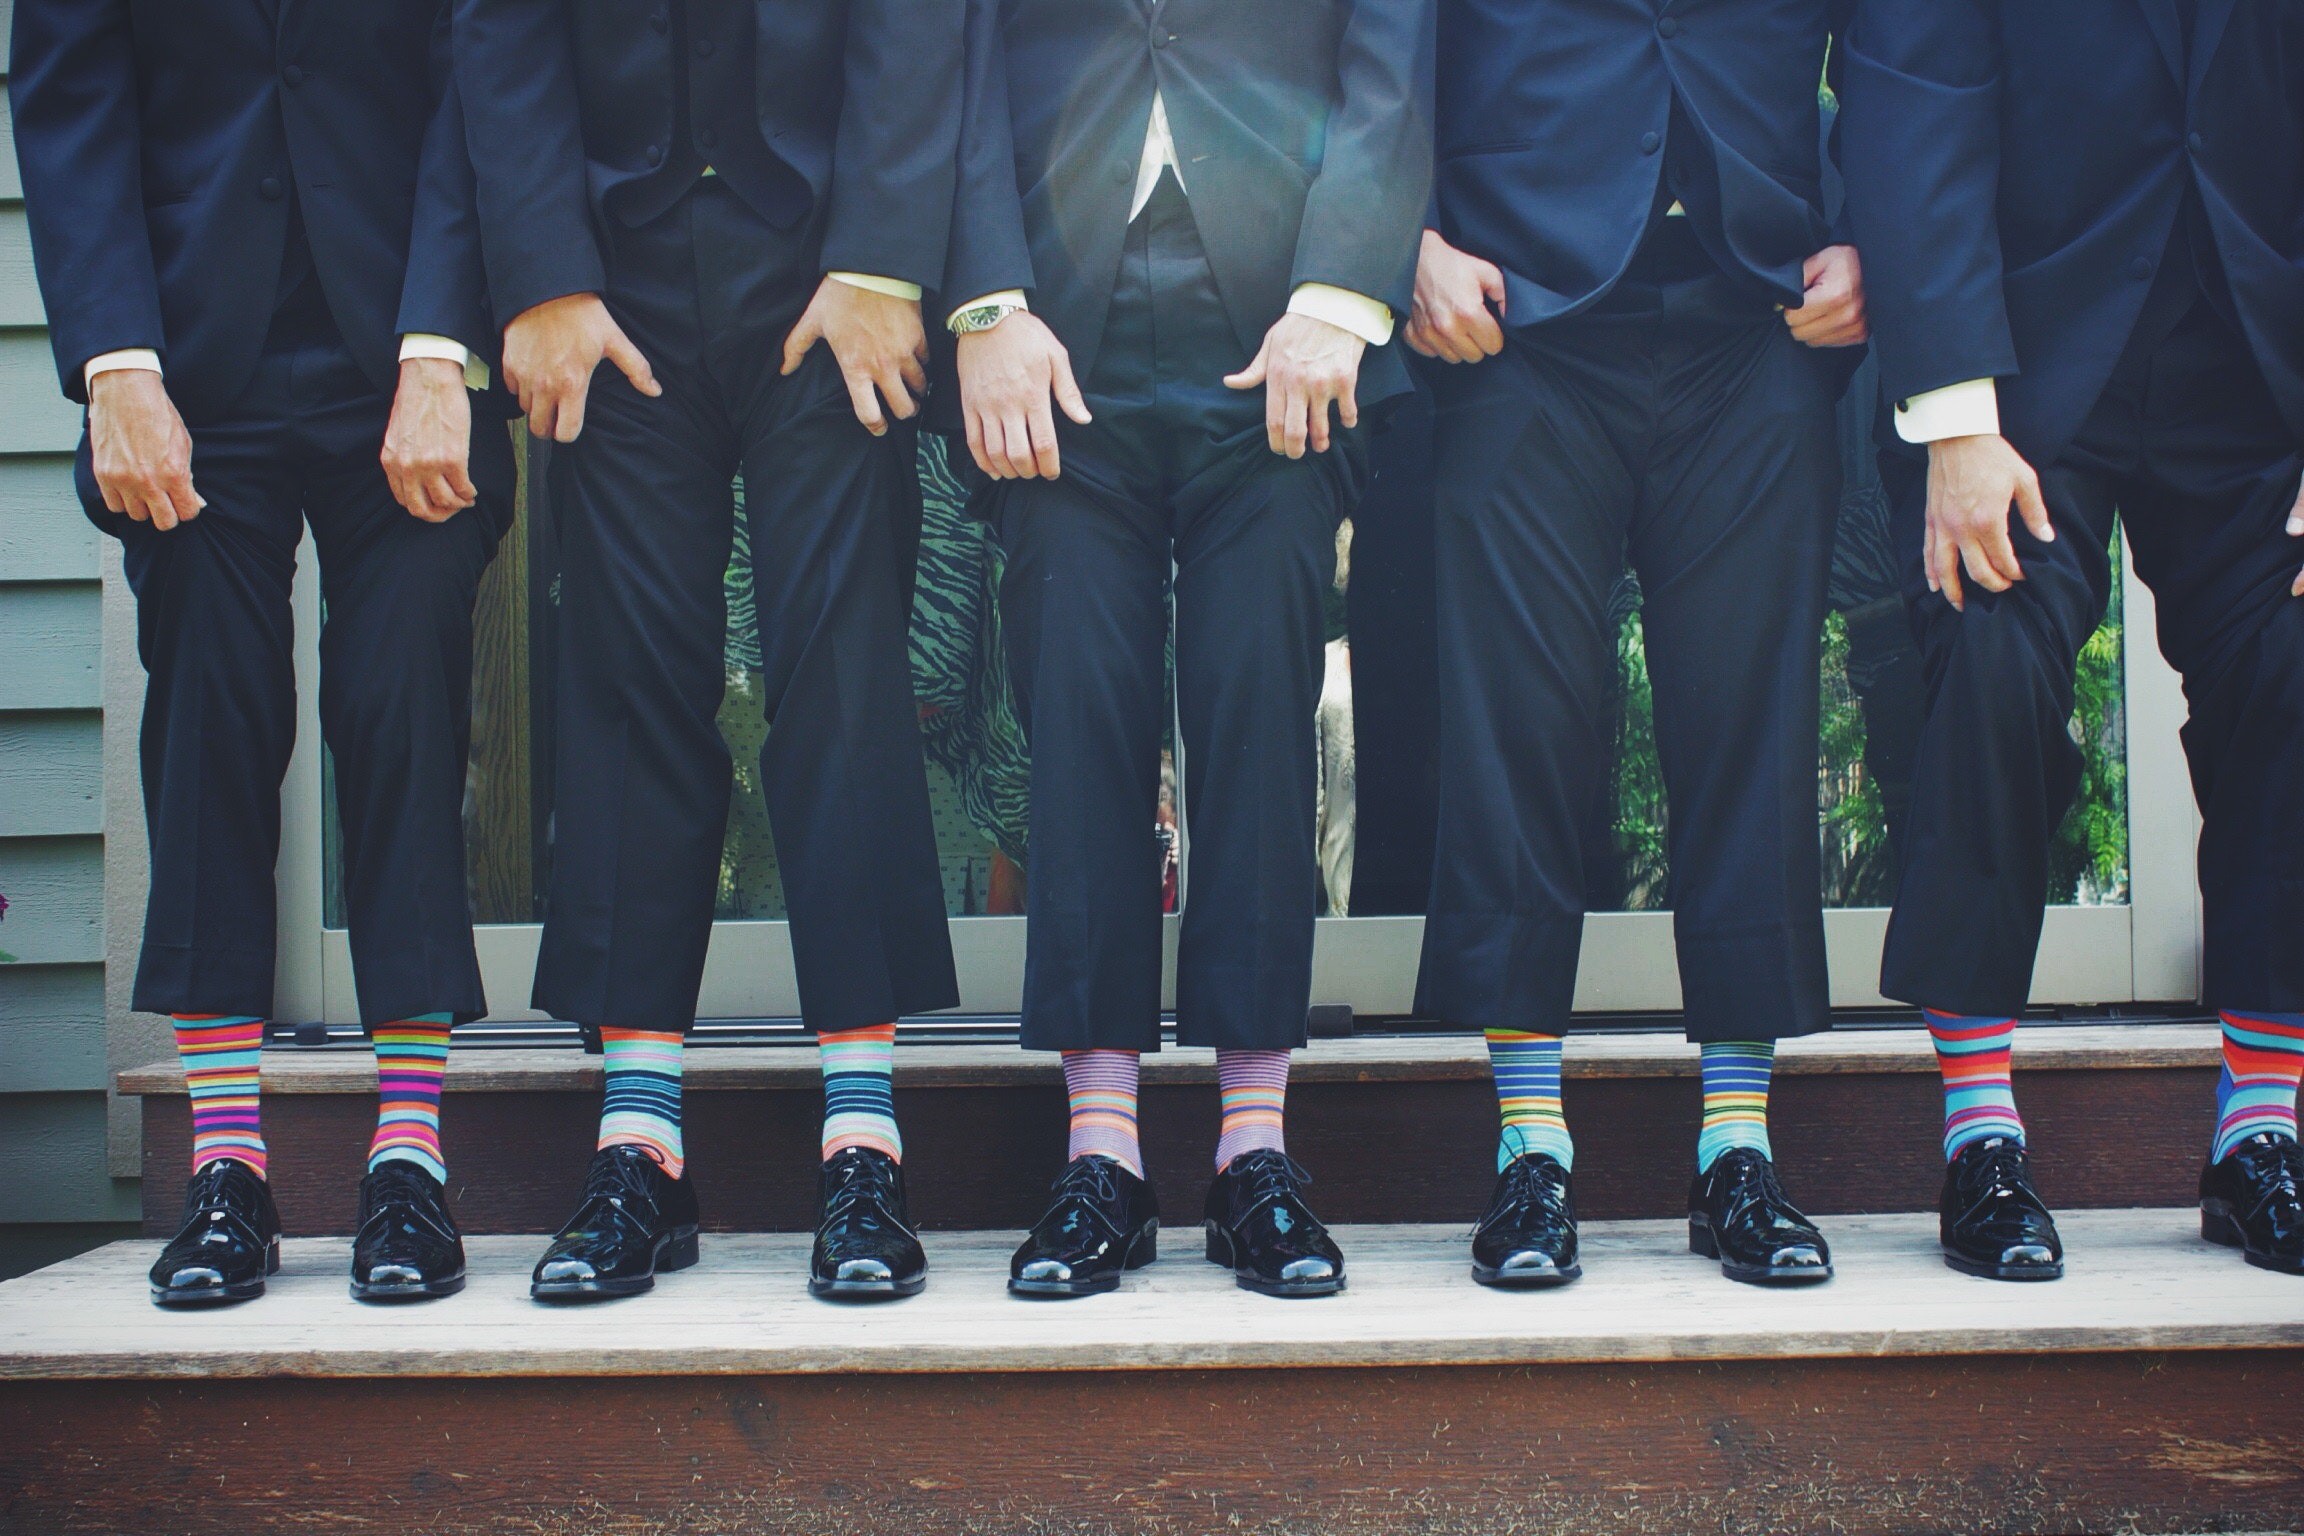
x,y
434,370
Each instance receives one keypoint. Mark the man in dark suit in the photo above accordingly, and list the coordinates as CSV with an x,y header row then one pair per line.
x,y
254,234
1631,269
1183,222
2085,225
736,203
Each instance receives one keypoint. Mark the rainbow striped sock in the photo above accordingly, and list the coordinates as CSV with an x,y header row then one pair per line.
x,y
1736,1074
642,1106
2263,1062
1527,1068
1100,1091
1972,1052
859,1090
1253,1087
411,1060
221,1053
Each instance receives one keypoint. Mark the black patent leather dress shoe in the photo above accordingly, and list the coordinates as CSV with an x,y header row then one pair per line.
x,y
1993,1222
865,1246
407,1246
1259,1226
229,1242
635,1221
1740,1215
1103,1220
2251,1201
1528,1237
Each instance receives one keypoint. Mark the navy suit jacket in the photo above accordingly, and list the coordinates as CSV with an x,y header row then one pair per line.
x,y
159,140
1554,115
858,102
1304,129
2016,169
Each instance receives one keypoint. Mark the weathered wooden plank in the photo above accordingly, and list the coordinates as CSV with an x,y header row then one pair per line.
x,y
51,994
51,634
51,773
38,418
55,891
51,1028
52,1161
1371,1059
1988,1446
19,289
44,536
2138,1280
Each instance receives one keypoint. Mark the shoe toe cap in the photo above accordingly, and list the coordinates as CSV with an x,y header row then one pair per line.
x,y
1310,1269
389,1273
862,1272
1045,1271
1528,1264
192,1277
566,1271
1800,1256
2029,1256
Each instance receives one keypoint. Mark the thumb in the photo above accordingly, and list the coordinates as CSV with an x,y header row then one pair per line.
x,y
1492,284
630,363
804,335
2296,515
1812,269
2033,509
1067,390
1252,375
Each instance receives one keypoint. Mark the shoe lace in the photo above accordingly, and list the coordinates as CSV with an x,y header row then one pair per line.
x,y
1095,1179
1752,1182
2275,1167
1270,1178
854,1178
1998,1178
1534,1192
620,1177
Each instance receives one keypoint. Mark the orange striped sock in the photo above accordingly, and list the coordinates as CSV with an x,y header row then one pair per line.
x,y
1100,1090
859,1090
411,1062
221,1053
1254,1088
642,1106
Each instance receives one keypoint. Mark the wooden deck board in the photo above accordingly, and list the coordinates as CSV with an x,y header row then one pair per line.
x,y
1402,1058
2139,1280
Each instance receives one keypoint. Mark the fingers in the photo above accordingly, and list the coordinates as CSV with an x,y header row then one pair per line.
x,y
866,401
567,413
975,430
1016,446
1348,404
1067,390
2033,508
1947,564
620,351
2296,516
892,382
804,335
1492,284
544,417
460,484
1990,558
1252,375
1043,427
1316,401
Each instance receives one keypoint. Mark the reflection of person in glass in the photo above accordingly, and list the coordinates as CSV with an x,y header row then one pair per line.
x,y
2087,234
1216,224
659,191
1636,288
261,352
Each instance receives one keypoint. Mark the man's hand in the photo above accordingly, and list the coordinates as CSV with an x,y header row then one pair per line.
x,y
877,341
550,353
1305,366
1008,374
1833,313
1971,482
2296,531
428,446
1450,319
140,451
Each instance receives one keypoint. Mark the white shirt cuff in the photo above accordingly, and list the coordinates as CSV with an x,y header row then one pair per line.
x,y
1013,296
448,350
1367,318
894,287
1970,409
142,359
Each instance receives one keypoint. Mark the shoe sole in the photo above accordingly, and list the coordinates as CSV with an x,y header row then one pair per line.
x,y
1143,1248
2224,1230
1541,1280
1287,1290
867,1290
422,1290
1700,1241
193,1297
677,1251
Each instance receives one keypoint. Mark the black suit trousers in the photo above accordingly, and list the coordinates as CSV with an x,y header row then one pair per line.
x,y
1172,492
644,507
214,627
2186,448
1679,424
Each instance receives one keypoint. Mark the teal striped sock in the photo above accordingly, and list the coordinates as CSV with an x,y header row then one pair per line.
x,y
1736,1078
1527,1068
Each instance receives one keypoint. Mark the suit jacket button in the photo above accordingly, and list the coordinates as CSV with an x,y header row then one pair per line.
x,y
1650,143
1161,39
2140,268
270,189
1669,26
2197,142
293,74
655,154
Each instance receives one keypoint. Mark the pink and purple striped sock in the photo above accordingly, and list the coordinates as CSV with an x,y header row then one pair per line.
x,y
411,1064
1253,1086
1100,1089
220,1052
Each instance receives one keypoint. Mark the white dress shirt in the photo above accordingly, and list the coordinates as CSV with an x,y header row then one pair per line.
x,y
1367,318
414,344
1967,409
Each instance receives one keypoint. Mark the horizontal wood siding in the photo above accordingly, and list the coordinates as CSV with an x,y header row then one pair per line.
x,y
52,1049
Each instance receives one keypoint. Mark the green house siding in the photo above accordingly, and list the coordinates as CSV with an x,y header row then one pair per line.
x,y
52,1059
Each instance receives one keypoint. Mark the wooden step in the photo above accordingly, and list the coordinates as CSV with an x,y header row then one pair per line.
x,y
1393,1128
2158,1388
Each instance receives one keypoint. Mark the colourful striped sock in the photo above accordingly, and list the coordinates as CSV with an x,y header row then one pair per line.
x,y
1100,1089
1527,1069
1253,1087
642,1106
859,1090
1736,1074
411,1059
2263,1061
1972,1052
221,1052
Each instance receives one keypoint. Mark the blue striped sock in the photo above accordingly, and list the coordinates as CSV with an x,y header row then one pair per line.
x,y
2256,1092
1736,1077
642,1107
859,1090
1527,1068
